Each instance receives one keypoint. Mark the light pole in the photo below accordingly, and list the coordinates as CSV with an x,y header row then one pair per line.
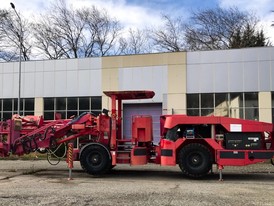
x,y
20,54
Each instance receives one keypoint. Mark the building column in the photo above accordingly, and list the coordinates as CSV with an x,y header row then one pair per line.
x,y
265,107
176,97
38,106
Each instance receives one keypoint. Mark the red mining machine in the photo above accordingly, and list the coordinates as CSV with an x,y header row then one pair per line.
x,y
194,143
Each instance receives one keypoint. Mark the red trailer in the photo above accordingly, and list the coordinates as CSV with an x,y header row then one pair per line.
x,y
195,143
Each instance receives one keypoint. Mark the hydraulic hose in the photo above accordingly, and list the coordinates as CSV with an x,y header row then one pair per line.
x,y
53,153
26,144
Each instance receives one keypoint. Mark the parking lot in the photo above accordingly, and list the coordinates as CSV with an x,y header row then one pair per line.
x,y
38,183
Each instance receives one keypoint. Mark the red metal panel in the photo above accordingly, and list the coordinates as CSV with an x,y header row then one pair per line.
x,y
142,129
213,144
242,157
138,156
144,94
228,123
168,152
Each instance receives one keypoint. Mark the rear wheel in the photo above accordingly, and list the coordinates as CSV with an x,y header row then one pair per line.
x,y
195,160
95,160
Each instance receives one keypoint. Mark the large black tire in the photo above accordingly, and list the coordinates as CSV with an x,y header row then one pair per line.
x,y
95,160
195,160
272,161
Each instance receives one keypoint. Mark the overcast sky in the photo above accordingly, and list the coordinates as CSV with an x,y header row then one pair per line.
x,y
139,13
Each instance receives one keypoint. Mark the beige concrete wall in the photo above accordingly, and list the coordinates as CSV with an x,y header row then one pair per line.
x,y
176,97
38,106
265,110
144,60
176,104
176,63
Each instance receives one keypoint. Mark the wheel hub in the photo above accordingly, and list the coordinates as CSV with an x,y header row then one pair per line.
x,y
95,159
195,160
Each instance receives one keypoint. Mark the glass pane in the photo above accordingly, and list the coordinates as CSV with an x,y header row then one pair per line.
x,y
221,100
60,103
96,112
1,110
15,104
72,113
251,113
48,103
236,113
7,115
72,103
251,99
96,103
84,103
193,112
192,100
7,104
272,115
207,101
223,112
207,112
236,100
272,94
62,113
83,111
49,115
29,104
28,113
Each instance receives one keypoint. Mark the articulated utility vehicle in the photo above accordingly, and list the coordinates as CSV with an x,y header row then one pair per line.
x,y
194,143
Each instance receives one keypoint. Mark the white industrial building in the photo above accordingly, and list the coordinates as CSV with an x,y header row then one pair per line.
x,y
236,83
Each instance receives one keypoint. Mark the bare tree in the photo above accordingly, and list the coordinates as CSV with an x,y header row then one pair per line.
x,y
10,31
137,42
215,28
72,33
48,42
104,30
169,37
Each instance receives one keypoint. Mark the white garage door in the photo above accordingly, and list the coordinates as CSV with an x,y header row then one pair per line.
x,y
152,109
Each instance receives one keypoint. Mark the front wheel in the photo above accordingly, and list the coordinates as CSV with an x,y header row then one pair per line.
x,y
195,160
95,160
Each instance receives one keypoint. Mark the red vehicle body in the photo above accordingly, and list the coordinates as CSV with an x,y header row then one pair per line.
x,y
195,143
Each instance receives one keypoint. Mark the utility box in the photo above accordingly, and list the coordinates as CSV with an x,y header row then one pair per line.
x,y
243,141
142,129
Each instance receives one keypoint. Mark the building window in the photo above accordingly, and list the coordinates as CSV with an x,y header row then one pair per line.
x,y
237,105
207,104
193,106
272,97
1,110
71,106
221,105
8,107
251,105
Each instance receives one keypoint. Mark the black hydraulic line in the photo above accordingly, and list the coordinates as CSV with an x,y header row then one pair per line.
x,y
55,155
26,147
35,143
13,148
46,132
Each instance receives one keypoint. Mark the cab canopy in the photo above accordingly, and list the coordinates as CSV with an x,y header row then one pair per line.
x,y
127,95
